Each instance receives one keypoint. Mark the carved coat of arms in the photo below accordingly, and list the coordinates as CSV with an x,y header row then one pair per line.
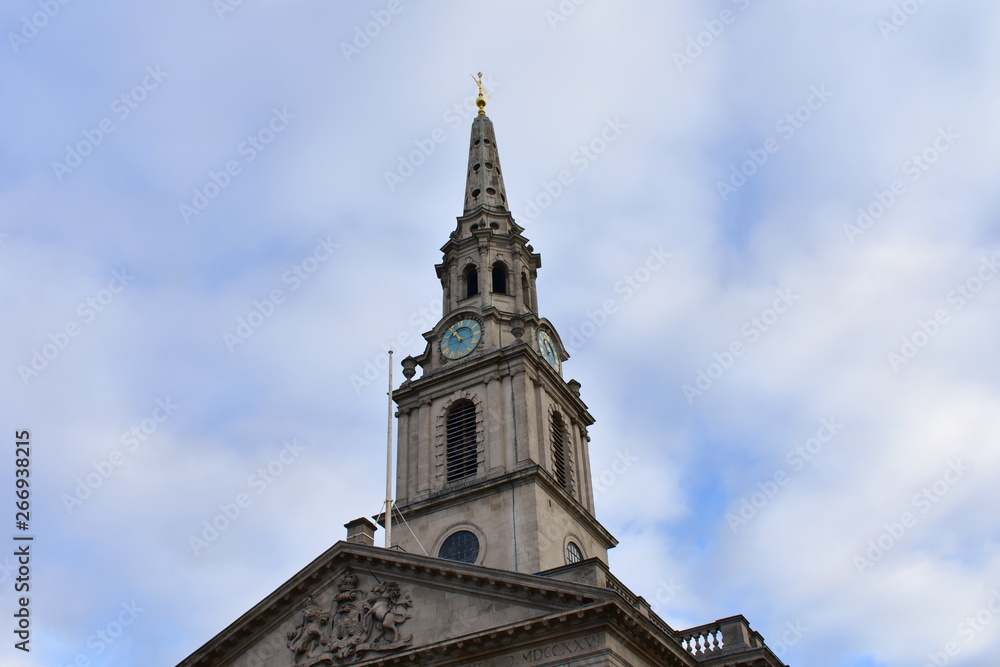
x,y
360,622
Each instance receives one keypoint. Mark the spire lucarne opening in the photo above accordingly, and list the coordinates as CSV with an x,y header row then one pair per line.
x,y
484,184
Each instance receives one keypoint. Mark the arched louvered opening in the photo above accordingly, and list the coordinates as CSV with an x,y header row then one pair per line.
x,y
471,281
499,278
560,453
461,455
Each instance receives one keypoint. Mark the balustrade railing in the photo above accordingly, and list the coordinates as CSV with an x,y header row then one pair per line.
x,y
703,639
722,635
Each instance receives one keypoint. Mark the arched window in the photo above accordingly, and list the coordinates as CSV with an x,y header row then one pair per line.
x,y
471,281
573,553
560,455
461,457
499,278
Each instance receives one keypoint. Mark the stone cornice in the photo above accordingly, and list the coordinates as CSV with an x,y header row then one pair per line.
x,y
533,473
603,616
485,363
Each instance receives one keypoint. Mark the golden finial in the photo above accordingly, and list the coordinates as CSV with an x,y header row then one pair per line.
x,y
483,94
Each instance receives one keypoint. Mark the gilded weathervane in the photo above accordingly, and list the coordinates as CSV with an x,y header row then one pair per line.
x,y
483,94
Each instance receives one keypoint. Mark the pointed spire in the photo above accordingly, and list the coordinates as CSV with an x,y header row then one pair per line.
x,y
484,184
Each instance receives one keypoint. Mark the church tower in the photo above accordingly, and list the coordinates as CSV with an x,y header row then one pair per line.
x,y
493,474
493,459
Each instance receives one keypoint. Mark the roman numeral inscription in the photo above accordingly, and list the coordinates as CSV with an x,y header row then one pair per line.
x,y
547,653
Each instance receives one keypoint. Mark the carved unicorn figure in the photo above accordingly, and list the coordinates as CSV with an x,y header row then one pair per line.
x,y
386,607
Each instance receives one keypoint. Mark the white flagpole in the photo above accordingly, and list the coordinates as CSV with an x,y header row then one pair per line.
x,y
388,466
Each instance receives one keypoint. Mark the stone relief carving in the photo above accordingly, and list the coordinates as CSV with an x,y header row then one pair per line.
x,y
360,622
309,638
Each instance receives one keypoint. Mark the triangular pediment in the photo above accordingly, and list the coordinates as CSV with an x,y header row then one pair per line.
x,y
356,603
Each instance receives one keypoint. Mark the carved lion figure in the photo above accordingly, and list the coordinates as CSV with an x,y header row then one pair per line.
x,y
308,640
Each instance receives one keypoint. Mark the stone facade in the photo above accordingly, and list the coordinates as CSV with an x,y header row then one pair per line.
x,y
514,500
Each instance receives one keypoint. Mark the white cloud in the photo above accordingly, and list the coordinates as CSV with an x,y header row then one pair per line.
x,y
655,185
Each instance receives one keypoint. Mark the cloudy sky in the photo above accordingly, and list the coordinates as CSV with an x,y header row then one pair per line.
x,y
216,216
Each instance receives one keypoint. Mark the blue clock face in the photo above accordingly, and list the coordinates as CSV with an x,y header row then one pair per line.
x,y
461,338
548,348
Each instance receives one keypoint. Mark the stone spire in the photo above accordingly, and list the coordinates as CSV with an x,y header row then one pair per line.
x,y
484,183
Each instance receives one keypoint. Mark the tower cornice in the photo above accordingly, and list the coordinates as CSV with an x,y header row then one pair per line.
x,y
480,367
528,473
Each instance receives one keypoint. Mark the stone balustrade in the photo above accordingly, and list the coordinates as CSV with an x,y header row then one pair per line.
x,y
724,635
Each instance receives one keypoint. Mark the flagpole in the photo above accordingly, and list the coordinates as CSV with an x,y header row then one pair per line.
x,y
388,466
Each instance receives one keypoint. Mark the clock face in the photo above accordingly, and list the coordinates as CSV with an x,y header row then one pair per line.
x,y
548,348
461,338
